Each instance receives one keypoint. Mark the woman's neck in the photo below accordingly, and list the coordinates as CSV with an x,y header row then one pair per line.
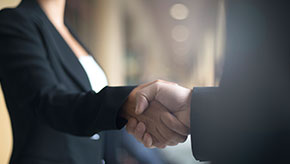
x,y
54,9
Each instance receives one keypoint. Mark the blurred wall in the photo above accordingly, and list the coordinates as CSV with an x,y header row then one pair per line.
x,y
8,3
5,126
99,24
5,131
188,51
109,48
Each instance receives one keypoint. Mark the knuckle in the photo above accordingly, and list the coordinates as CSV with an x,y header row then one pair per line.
x,y
158,80
141,95
158,83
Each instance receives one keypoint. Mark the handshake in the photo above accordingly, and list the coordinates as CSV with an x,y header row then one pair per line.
x,y
158,113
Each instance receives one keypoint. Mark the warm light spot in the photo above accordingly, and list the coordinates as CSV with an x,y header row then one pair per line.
x,y
180,33
179,11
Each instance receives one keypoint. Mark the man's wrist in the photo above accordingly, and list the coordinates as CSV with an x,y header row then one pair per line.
x,y
188,109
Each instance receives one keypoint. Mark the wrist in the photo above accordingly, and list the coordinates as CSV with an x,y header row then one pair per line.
x,y
188,108
128,108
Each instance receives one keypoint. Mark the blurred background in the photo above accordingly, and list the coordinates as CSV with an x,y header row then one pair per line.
x,y
137,41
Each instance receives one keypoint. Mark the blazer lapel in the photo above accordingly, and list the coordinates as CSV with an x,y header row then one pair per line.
x,y
68,59
71,64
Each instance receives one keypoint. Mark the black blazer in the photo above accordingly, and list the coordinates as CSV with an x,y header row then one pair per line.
x,y
52,107
247,118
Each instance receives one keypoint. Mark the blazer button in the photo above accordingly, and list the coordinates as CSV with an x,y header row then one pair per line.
x,y
95,137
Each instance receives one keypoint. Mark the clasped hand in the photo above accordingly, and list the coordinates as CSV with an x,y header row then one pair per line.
x,y
158,113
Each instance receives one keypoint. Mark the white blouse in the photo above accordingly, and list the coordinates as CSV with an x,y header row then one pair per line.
x,y
96,76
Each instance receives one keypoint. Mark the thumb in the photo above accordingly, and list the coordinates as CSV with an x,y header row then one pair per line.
x,y
144,96
141,104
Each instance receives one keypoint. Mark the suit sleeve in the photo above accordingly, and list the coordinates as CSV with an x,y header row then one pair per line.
x,y
247,116
229,126
202,125
31,84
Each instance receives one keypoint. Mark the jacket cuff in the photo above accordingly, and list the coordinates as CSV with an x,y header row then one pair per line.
x,y
114,98
202,122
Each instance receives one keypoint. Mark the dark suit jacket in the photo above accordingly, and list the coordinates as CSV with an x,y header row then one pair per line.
x,y
247,118
52,107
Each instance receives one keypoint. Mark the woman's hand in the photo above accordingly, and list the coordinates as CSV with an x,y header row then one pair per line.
x,y
152,126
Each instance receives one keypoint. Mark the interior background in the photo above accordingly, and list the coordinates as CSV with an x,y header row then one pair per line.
x,y
137,41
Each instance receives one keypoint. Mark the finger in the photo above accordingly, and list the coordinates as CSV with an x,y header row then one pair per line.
x,y
167,82
131,125
142,102
172,143
146,84
170,136
147,140
161,146
156,142
139,131
174,124
145,95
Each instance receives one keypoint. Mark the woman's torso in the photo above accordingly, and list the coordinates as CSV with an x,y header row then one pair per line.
x,y
34,141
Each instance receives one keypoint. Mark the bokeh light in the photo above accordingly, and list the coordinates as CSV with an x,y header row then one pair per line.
x,y
180,33
179,11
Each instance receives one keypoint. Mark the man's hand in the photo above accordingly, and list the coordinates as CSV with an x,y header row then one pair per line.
x,y
161,127
171,97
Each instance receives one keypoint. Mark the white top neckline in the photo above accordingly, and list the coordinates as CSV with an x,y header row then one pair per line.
x,y
96,75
